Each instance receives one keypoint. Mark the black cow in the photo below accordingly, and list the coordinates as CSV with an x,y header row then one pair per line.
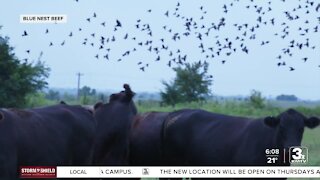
x,y
114,121
48,136
146,139
197,137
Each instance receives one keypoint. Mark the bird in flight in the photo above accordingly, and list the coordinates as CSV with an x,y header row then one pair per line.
x,y
106,56
167,14
118,23
25,33
305,59
200,32
126,36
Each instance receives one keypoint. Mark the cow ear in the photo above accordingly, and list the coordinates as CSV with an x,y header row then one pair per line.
x,y
312,122
62,102
1,116
97,105
271,121
129,93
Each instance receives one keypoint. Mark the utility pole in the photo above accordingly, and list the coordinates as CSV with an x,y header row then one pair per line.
x,y
78,92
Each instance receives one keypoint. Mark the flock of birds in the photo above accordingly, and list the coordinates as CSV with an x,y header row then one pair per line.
x,y
213,43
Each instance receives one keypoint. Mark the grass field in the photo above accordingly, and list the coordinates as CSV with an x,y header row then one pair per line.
x,y
236,108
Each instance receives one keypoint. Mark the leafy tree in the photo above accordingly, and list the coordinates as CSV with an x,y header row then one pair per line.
x,y
171,95
88,95
87,91
102,97
284,97
52,95
256,99
190,84
18,79
38,99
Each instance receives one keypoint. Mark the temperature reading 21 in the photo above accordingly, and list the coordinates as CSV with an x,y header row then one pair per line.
x,y
272,160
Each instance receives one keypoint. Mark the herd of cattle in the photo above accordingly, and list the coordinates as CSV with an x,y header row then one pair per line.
x,y
115,134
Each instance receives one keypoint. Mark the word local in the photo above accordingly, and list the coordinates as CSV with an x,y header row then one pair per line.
x,y
78,171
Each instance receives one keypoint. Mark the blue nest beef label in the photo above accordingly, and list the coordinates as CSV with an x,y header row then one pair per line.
x,y
43,18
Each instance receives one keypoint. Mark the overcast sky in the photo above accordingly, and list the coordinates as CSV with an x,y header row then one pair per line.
x,y
239,74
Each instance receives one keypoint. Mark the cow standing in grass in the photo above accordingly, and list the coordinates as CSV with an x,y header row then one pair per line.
x,y
50,136
200,138
114,121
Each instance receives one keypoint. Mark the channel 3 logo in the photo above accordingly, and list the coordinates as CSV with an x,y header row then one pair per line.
x,y
298,154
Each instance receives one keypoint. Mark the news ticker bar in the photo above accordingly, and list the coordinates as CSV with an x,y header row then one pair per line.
x,y
190,172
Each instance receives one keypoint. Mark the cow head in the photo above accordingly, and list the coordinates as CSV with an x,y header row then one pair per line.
x,y
122,97
114,121
290,126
